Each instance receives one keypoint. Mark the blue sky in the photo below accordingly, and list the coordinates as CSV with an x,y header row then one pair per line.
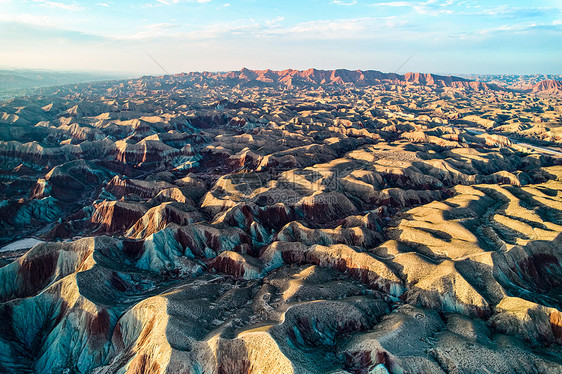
x,y
440,36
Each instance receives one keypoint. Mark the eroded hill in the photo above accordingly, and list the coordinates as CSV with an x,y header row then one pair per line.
x,y
331,222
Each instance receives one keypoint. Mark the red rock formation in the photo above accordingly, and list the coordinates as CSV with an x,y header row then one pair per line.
x,y
120,187
116,216
341,77
548,87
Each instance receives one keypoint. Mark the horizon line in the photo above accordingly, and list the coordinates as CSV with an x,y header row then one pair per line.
x,y
138,74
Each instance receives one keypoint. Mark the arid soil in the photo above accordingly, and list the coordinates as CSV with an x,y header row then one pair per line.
x,y
282,222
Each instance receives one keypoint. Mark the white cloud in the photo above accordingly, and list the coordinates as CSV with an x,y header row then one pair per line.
x,y
58,5
345,3
30,20
433,8
153,31
171,2
429,7
161,31
394,4
340,29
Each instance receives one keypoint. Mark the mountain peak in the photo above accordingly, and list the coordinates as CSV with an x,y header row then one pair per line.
x,y
548,86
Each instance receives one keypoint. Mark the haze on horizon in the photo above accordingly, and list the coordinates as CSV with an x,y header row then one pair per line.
x,y
440,36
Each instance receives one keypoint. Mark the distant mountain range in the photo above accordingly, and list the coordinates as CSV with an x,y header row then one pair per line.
x,y
516,82
14,82
22,82
338,77
362,78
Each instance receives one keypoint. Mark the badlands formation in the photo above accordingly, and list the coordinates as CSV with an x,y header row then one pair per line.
x,y
282,222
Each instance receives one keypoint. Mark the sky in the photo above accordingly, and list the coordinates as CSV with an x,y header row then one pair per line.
x,y
172,36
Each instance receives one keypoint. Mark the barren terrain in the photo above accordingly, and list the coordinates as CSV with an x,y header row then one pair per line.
x,y
282,222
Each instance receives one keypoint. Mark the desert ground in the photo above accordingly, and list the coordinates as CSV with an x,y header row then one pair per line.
x,y
282,222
